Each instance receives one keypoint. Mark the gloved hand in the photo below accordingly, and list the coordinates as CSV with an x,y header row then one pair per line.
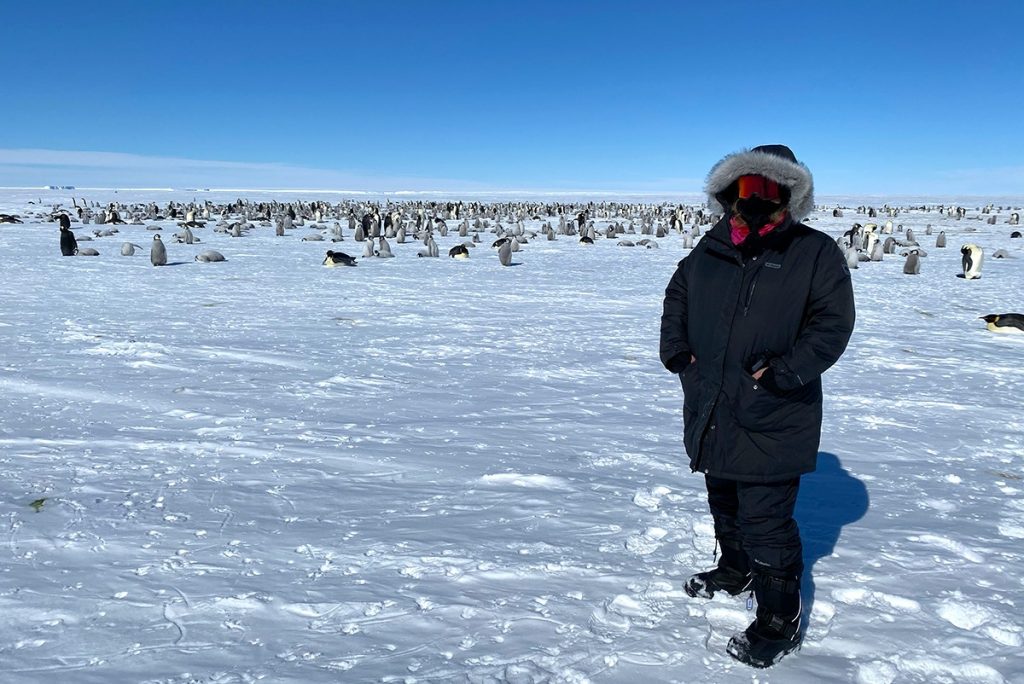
x,y
767,380
679,362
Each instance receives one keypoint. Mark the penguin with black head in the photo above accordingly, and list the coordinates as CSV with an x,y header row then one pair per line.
x,y
68,243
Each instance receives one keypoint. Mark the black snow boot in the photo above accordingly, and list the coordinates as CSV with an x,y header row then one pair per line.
x,y
731,576
776,630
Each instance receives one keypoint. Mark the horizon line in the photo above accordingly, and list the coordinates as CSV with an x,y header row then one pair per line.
x,y
495,192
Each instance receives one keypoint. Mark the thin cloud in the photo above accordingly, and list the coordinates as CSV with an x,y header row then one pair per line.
x,y
40,167
118,169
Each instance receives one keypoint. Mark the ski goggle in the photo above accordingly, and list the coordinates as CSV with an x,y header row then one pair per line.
x,y
765,188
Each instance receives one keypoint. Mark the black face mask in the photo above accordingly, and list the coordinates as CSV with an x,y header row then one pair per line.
x,y
756,212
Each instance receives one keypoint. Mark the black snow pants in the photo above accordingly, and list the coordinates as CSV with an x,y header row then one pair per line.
x,y
758,518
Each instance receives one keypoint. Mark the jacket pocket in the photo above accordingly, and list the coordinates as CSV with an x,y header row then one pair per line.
x,y
759,410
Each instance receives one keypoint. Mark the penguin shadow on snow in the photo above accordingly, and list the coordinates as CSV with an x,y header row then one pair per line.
x,y
829,498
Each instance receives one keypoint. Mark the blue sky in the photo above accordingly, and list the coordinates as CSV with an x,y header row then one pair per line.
x,y
876,97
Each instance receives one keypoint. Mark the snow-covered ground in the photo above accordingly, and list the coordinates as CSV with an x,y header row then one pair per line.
x,y
427,470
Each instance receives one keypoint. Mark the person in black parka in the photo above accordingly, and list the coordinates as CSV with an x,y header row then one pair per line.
x,y
753,316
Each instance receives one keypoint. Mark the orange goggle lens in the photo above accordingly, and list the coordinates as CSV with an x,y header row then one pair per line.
x,y
765,188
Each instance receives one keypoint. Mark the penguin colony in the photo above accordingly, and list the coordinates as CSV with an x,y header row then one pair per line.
x,y
874,233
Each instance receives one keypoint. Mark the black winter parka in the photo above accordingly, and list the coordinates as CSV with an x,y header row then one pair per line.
x,y
791,303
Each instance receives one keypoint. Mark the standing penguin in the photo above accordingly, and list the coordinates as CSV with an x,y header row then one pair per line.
x,y
505,253
68,243
877,250
158,253
972,256
940,241
383,249
852,258
912,266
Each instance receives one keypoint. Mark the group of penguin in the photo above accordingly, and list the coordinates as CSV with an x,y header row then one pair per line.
x,y
378,224
459,251
157,252
655,223
861,243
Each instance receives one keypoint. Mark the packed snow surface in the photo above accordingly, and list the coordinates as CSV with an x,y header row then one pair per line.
x,y
430,470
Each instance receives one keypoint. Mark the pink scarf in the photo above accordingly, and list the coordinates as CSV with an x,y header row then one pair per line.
x,y
740,230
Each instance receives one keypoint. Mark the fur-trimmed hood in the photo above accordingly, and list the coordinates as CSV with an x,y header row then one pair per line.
x,y
776,162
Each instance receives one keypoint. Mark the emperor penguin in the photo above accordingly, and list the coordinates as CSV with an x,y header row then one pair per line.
x,y
158,253
384,249
431,250
505,253
1012,323
870,240
940,241
912,266
972,257
68,244
334,259
459,252
209,255
128,248
877,251
852,258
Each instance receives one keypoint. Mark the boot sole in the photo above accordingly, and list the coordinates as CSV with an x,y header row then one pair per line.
x,y
705,594
758,663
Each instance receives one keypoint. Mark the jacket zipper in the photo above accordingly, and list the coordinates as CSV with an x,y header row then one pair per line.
x,y
699,461
750,294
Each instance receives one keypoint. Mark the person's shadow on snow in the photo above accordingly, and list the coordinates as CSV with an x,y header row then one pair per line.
x,y
829,498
